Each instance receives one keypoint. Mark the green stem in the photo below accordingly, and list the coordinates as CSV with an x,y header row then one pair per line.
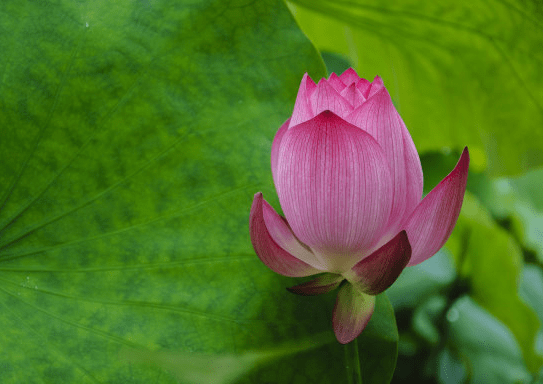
x,y
352,360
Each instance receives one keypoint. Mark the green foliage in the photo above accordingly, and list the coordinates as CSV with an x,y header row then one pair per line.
x,y
519,201
460,73
487,348
134,135
421,281
531,290
489,258
219,368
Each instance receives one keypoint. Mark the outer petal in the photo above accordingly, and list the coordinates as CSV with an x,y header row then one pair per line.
x,y
267,249
281,233
334,187
349,76
376,85
363,86
353,95
414,176
352,313
325,97
432,222
379,118
323,284
378,271
302,107
276,144
336,83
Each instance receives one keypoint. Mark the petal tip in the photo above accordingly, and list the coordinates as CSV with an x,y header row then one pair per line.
x,y
462,167
257,203
306,77
433,220
349,72
266,248
465,155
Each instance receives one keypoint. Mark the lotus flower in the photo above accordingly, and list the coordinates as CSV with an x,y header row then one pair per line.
x,y
349,181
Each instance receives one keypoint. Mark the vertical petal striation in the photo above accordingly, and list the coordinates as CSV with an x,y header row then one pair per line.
x,y
334,187
432,222
267,249
379,118
352,313
302,108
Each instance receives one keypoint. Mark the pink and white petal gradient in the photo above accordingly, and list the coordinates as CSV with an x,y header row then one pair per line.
x,y
352,313
333,188
349,180
268,250
379,118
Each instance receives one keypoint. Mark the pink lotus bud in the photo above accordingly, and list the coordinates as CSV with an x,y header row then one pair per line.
x,y
349,180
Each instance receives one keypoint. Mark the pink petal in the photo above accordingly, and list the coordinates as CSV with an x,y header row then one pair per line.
x,y
379,118
432,222
335,82
267,249
363,86
349,76
302,108
334,187
376,86
281,233
276,144
326,98
352,313
323,284
353,95
414,177
378,271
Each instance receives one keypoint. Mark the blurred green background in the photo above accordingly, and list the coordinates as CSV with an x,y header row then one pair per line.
x,y
134,135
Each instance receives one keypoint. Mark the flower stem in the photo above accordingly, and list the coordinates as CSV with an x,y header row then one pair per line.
x,y
352,360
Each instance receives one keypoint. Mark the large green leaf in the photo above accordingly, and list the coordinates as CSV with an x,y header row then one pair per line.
x,y
489,258
220,368
134,135
460,73
378,346
486,348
